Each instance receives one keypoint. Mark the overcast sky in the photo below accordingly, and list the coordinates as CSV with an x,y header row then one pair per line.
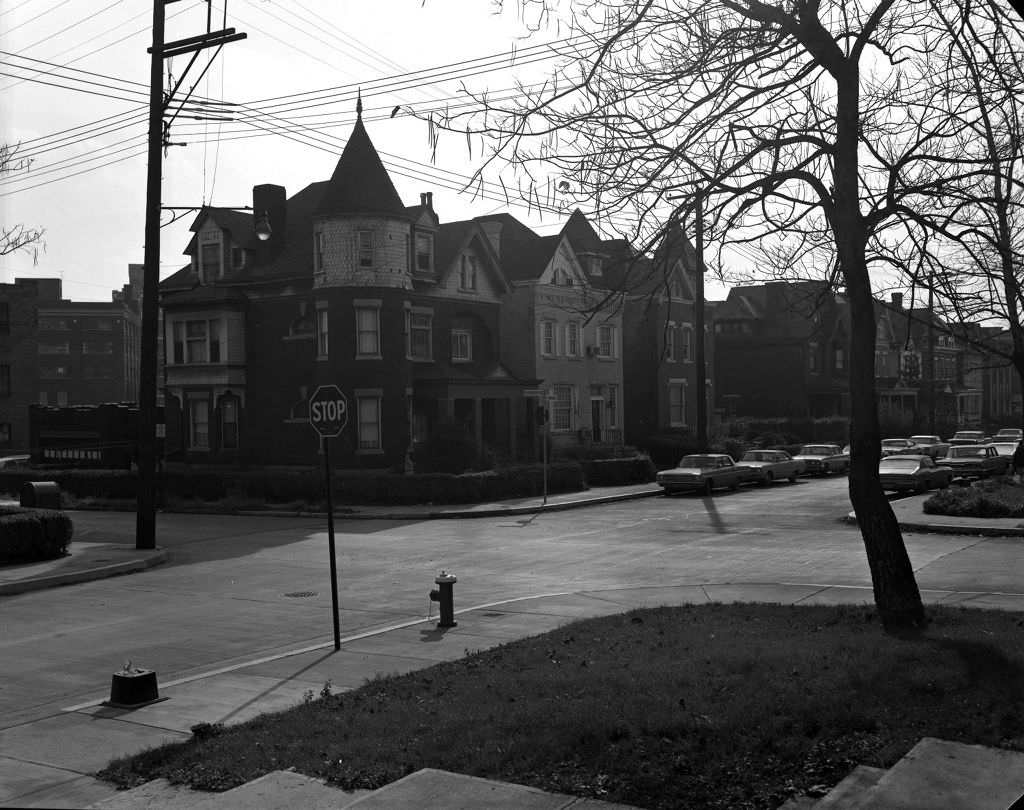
x,y
74,93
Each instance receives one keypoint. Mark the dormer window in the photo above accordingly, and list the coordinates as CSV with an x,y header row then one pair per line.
x,y
467,272
365,243
424,252
211,255
594,265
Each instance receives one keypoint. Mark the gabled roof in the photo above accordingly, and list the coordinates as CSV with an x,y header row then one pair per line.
x,y
240,224
360,183
451,240
524,254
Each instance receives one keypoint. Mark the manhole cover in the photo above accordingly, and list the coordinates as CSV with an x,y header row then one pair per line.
x,y
301,594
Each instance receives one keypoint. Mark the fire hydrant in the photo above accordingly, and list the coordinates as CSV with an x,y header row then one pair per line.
x,y
445,596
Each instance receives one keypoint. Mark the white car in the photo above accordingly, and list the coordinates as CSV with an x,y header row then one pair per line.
x,y
821,459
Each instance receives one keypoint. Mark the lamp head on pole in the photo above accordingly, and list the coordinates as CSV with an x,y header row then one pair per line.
x,y
263,229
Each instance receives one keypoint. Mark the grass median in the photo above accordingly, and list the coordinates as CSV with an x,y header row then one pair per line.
x,y
711,706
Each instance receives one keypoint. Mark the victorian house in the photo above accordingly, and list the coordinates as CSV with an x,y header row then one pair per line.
x,y
352,288
562,325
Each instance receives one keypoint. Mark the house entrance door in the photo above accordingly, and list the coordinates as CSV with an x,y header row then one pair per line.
x,y
595,418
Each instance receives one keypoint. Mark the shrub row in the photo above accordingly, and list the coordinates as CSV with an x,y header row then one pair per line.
x,y
307,485
33,534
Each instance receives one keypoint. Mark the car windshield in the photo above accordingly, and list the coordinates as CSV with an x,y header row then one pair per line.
x,y
702,462
759,455
816,450
896,463
894,442
967,434
966,452
925,439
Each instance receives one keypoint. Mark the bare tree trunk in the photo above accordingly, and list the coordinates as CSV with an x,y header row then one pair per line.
x,y
897,597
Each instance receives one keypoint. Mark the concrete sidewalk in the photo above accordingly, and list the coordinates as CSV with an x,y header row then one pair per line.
x,y
48,762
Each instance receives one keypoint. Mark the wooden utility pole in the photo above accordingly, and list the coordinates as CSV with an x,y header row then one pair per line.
x,y
702,385
145,518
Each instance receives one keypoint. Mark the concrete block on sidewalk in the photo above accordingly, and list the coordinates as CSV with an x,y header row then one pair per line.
x,y
431,789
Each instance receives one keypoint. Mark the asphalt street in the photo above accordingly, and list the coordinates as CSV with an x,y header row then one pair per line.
x,y
263,581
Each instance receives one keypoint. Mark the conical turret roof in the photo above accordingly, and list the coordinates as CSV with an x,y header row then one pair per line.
x,y
360,183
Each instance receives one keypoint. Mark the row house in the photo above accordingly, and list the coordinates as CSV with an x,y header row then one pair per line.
x,y
659,299
1001,394
561,326
61,353
782,350
941,364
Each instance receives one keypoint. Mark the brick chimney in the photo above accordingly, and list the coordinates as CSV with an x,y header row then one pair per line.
x,y
427,200
273,200
897,300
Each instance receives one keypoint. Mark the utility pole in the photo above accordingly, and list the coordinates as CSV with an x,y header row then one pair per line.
x,y
145,519
930,356
702,385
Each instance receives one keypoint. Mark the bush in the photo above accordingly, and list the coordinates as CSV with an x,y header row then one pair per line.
x,y
731,446
667,446
991,498
33,534
450,448
611,472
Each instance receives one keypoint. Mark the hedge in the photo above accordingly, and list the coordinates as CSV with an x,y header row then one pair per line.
x,y
307,485
33,534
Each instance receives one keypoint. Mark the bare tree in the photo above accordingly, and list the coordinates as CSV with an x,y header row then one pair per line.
x,y
14,238
807,129
979,198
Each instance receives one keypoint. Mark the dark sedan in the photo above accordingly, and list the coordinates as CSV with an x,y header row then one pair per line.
x,y
977,461
915,473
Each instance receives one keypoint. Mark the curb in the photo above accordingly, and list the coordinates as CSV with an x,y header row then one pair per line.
x,y
941,528
460,514
157,557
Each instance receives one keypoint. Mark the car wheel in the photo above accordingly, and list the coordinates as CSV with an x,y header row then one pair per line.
x,y
792,478
709,487
768,478
921,488
734,486
944,483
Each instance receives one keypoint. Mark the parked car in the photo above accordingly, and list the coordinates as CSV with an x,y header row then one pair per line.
x,y
1009,435
891,447
703,472
13,461
969,437
821,459
930,445
977,461
765,466
917,473
1006,448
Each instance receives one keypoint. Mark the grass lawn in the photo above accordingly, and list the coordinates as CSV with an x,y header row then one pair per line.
x,y
710,706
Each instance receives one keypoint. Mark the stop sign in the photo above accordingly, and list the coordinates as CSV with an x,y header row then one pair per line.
x,y
328,410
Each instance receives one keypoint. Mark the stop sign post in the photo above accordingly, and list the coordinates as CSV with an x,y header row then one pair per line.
x,y
328,414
